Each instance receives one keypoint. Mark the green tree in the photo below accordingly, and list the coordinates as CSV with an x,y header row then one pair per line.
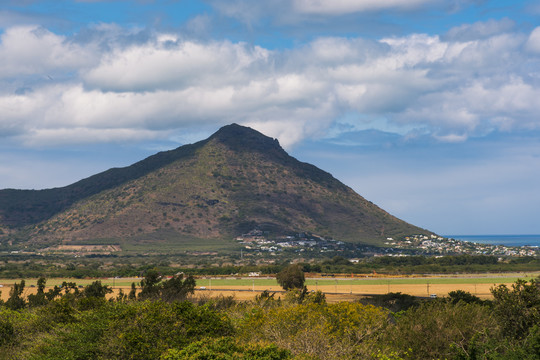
x,y
150,287
70,286
16,301
518,309
97,290
53,293
292,277
39,298
133,292
465,296
177,289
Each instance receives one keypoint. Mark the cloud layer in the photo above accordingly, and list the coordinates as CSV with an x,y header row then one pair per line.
x,y
130,85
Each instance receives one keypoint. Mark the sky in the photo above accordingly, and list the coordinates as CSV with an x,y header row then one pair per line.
x,y
428,108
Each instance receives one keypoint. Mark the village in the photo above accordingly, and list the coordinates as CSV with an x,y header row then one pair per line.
x,y
256,241
437,245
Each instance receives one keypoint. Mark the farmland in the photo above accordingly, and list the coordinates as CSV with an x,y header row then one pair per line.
x,y
339,288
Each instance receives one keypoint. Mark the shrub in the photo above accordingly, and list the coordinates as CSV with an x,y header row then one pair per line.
x,y
146,330
336,331
440,330
226,349
518,309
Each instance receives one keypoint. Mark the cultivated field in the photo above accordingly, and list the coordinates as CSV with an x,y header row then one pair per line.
x,y
336,289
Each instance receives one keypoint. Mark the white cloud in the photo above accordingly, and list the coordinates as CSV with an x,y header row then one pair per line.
x,y
31,50
447,86
533,43
159,65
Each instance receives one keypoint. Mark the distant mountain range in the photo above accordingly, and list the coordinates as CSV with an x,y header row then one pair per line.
x,y
235,181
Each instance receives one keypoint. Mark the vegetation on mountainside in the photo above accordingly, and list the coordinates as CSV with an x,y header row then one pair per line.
x,y
233,182
70,323
24,207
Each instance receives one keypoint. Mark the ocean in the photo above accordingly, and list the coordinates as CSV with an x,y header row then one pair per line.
x,y
508,240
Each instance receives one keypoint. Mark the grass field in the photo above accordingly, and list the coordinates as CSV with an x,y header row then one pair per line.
x,y
336,289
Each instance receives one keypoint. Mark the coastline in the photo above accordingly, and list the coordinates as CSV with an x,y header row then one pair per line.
x,y
507,240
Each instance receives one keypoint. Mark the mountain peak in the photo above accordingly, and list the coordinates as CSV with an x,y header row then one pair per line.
x,y
235,130
238,138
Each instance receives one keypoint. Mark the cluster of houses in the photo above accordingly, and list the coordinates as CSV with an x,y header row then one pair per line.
x,y
255,240
437,245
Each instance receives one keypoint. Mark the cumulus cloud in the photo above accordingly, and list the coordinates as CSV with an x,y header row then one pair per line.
x,y
168,64
30,50
451,87
533,43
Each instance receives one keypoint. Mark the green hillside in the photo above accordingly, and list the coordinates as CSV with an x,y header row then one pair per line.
x,y
235,181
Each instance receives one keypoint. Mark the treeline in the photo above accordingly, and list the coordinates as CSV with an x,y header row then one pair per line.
x,y
160,319
93,267
425,264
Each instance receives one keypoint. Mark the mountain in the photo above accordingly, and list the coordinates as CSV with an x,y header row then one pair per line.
x,y
235,181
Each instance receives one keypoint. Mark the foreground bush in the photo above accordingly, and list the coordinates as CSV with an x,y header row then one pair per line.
x,y
226,349
139,330
439,330
320,331
73,324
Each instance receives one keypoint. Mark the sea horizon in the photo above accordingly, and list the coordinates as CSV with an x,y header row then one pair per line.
x,y
507,239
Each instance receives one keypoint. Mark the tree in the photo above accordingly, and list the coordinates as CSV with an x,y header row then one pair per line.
x,y
465,296
150,288
133,292
53,293
39,298
292,277
177,289
69,286
96,289
16,301
518,309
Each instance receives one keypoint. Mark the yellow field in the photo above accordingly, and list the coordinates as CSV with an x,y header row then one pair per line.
x,y
335,289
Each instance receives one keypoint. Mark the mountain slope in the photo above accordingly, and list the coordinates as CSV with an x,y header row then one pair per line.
x,y
228,184
23,207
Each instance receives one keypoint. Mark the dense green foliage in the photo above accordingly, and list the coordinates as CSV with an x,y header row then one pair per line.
x,y
226,349
291,277
82,324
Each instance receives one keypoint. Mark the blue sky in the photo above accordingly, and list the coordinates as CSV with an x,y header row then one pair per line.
x,y
428,108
